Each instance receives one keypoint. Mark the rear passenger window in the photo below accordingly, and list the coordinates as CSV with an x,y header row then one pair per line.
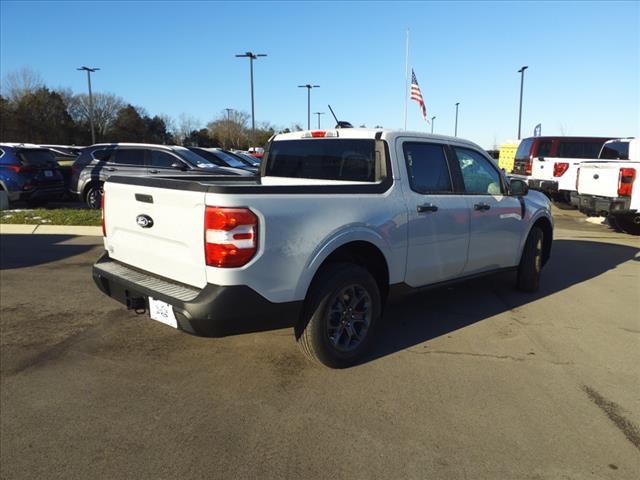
x,y
479,176
544,148
427,167
101,155
162,159
579,149
129,157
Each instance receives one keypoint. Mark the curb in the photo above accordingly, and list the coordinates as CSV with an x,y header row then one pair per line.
x,y
8,228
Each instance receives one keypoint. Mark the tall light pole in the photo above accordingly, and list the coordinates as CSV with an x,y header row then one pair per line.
x,y
252,56
318,113
229,110
432,119
89,72
308,86
455,132
521,72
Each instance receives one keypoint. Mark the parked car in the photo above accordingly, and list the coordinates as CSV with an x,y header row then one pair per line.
x,y
551,163
257,152
30,173
253,161
98,162
606,186
339,221
223,158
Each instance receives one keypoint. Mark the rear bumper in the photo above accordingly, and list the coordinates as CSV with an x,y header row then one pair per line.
x,y
594,205
213,311
546,186
43,192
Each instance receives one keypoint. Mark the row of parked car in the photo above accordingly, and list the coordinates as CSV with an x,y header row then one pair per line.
x,y
596,175
37,174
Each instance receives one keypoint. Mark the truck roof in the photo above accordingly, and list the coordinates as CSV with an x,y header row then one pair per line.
x,y
385,134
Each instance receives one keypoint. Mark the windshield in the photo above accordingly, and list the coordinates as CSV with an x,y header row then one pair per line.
x,y
193,158
240,158
230,160
326,159
615,151
36,157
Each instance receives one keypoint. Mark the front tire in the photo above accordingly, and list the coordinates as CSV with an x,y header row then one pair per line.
x,y
530,266
93,196
341,313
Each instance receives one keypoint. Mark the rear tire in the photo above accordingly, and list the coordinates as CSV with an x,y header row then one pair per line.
x,y
341,312
629,223
531,262
93,196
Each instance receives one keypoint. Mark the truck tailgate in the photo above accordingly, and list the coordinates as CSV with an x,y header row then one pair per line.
x,y
172,246
599,178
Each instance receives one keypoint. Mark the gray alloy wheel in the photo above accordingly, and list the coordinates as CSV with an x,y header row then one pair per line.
x,y
93,198
348,318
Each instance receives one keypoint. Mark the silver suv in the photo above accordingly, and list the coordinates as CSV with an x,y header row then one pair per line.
x,y
98,162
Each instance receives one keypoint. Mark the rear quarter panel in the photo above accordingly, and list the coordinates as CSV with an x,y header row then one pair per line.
x,y
298,232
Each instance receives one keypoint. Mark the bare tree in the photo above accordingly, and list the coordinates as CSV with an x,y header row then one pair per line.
x,y
230,129
18,83
186,125
105,110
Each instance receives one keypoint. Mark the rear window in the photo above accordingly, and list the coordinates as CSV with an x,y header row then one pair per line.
x,y
325,159
615,151
428,168
579,149
524,149
36,157
544,148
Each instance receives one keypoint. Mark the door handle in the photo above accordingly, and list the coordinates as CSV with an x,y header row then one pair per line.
x,y
153,171
111,169
429,207
481,207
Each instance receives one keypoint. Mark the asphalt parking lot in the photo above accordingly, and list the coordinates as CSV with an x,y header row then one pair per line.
x,y
472,382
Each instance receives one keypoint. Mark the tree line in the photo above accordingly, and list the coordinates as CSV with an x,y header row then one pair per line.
x,y
31,112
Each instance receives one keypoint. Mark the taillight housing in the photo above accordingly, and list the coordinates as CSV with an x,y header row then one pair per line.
x,y
104,226
528,166
230,236
559,168
626,178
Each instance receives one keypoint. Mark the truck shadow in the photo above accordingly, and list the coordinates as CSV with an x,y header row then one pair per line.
x,y
423,316
21,251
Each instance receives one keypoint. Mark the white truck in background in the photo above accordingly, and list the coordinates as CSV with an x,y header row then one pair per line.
x,y
607,186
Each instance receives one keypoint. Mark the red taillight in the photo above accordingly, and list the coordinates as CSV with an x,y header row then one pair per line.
x,y
22,168
104,227
625,181
577,179
231,236
559,168
528,167
318,134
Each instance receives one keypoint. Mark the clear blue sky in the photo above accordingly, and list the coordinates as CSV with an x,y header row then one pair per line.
x,y
175,57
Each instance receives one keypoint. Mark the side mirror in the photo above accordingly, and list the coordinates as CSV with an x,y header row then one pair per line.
x,y
518,188
179,166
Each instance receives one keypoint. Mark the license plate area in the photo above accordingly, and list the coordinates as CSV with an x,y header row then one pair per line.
x,y
162,312
48,173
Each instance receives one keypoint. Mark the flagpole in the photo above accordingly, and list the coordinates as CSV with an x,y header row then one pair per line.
x,y
406,81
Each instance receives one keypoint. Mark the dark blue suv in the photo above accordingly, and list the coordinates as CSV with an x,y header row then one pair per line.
x,y
29,173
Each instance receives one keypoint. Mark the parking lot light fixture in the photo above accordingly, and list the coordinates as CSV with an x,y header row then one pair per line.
x,y
308,86
318,113
521,72
432,122
252,56
455,131
89,72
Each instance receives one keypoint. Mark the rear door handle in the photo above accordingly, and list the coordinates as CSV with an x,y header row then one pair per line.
x,y
111,169
153,171
481,206
428,207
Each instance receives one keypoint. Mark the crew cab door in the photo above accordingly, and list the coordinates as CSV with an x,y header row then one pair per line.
x,y
496,225
438,217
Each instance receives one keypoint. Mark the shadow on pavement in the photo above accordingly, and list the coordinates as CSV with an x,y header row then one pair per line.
x,y
20,251
430,314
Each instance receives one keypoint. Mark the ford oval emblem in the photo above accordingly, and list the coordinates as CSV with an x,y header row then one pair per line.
x,y
596,176
145,221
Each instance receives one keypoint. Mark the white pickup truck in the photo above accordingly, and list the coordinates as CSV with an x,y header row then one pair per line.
x,y
338,221
606,186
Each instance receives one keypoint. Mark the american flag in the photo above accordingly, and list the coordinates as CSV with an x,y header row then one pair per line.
x,y
417,95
